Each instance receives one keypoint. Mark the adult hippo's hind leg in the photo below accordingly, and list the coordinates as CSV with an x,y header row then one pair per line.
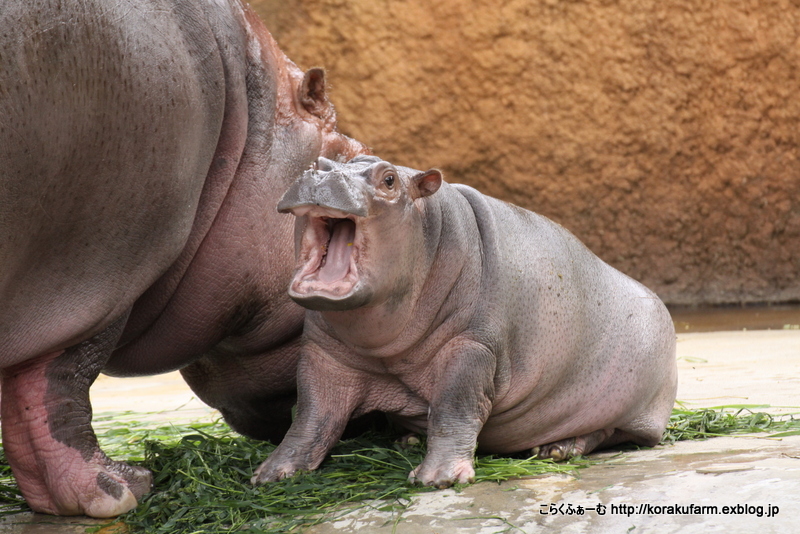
x,y
48,437
254,394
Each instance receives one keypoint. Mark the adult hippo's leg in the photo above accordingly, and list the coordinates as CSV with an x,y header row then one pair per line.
x,y
254,393
48,437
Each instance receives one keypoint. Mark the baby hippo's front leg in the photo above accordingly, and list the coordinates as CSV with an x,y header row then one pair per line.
x,y
457,415
302,449
324,405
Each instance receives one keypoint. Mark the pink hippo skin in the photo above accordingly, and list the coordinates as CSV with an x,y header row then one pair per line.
x,y
144,145
473,320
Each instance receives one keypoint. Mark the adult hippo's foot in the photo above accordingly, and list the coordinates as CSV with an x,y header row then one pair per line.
x,y
48,437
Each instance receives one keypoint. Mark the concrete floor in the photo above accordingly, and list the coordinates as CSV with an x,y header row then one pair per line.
x,y
758,479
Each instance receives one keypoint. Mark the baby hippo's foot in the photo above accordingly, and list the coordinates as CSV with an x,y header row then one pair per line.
x,y
409,440
443,474
286,460
272,471
569,448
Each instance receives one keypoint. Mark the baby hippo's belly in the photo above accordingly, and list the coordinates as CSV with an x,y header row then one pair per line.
x,y
401,405
417,424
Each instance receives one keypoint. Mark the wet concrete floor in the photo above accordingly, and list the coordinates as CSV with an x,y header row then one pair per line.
x,y
729,484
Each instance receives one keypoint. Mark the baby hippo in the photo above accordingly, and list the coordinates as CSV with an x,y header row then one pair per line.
x,y
464,317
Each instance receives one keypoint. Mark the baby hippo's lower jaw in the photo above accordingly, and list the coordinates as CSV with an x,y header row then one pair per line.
x,y
323,301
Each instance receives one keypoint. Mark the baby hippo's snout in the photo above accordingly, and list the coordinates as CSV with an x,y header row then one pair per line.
x,y
327,189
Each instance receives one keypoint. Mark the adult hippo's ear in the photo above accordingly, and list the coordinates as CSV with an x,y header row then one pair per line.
x,y
313,95
427,183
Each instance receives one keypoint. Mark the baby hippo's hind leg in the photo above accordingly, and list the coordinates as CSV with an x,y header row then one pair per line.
x,y
565,449
599,439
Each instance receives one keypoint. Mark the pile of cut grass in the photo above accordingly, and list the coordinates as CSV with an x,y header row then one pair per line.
x,y
732,419
202,483
202,472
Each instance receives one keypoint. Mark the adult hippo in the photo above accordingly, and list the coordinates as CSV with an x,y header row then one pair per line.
x,y
143,147
466,317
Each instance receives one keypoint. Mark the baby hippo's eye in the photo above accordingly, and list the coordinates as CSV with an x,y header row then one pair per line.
x,y
389,181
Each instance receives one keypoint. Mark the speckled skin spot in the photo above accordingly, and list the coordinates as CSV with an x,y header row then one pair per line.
x,y
143,147
511,334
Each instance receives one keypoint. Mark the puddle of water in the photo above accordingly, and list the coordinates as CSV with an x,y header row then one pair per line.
x,y
735,318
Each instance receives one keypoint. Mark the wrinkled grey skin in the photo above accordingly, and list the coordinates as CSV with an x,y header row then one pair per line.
x,y
143,147
467,318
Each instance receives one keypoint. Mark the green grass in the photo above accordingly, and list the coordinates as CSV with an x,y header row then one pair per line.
x,y
733,419
11,501
203,481
202,471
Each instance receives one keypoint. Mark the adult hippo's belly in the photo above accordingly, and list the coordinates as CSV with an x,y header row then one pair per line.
x,y
143,147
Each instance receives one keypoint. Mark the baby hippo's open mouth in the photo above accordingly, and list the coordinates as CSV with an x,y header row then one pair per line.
x,y
329,251
335,262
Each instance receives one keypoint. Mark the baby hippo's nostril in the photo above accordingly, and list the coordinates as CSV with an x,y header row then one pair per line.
x,y
324,164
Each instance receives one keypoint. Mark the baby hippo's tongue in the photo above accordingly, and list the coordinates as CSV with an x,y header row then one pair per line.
x,y
337,262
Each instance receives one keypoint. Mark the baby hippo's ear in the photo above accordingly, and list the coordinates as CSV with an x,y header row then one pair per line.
x,y
427,182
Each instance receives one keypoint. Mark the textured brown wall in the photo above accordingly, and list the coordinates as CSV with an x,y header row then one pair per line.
x,y
664,134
